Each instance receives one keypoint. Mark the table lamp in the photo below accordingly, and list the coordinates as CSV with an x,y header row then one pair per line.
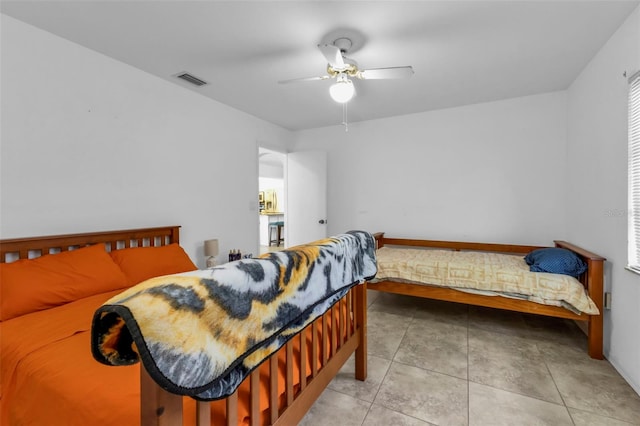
x,y
210,252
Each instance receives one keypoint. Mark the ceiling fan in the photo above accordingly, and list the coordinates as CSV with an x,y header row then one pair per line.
x,y
343,69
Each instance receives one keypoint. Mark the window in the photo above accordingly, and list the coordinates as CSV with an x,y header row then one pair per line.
x,y
634,173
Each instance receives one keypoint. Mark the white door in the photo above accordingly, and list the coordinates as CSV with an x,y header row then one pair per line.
x,y
306,186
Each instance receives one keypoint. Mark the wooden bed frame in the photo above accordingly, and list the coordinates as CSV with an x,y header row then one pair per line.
x,y
592,280
347,321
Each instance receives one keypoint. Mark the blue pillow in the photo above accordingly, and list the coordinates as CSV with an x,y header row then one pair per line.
x,y
555,260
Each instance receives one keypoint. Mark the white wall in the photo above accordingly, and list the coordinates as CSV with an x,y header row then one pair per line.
x,y
492,172
597,185
271,171
89,143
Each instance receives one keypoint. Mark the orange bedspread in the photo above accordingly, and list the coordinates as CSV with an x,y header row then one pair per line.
x,y
50,377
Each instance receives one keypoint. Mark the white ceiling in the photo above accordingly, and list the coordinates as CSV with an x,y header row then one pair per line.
x,y
462,52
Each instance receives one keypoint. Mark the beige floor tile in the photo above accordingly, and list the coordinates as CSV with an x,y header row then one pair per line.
x,y
595,392
584,418
561,356
346,383
426,395
396,304
381,416
554,330
385,332
372,296
500,343
497,320
494,407
522,370
510,363
335,408
437,310
437,346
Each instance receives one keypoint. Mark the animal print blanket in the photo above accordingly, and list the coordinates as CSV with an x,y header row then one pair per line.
x,y
201,333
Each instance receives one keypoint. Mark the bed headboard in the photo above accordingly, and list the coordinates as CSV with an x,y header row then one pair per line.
x,y
381,241
30,247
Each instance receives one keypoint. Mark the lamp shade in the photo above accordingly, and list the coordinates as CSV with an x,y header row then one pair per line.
x,y
211,248
342,90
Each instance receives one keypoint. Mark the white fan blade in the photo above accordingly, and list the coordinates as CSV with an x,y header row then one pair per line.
x,y
296,80
386,73
333,55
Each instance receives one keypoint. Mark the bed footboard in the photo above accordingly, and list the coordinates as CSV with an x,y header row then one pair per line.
x,y
328,342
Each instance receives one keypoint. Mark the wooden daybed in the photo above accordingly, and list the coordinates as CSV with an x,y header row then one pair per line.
x,y
592,280
288,382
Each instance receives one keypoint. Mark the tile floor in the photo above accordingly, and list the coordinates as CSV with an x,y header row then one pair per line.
x,y
445,364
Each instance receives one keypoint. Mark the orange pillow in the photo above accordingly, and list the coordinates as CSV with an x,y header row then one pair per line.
x,y
142,263
30,285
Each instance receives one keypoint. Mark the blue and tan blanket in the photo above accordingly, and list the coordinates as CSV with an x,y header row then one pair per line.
x,y
201,333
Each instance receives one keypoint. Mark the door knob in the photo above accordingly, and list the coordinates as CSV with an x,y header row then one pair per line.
x,y
322,221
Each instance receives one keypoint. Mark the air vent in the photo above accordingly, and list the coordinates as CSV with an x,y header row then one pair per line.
x,y
191,79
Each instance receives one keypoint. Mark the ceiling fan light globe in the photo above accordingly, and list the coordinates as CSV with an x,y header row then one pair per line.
x,y
342,91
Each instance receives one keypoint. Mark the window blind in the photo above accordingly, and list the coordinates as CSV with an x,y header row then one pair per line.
x,y
634,173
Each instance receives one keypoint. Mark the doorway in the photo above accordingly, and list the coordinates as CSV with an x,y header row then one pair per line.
x,y
272,200
299,182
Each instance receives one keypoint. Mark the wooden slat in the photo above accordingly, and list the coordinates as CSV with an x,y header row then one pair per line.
x,y
334,330
314,348
273,387
254,391
354,309
304,400
324,340
349,313
341,312
203,413
289,376
232,409
303,359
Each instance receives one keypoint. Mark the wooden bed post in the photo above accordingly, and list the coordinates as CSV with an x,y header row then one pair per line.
x,y
379,237
157,406
595,286
594,283
361,320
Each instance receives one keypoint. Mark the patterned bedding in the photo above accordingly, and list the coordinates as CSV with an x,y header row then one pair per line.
x,y
201,333
483,272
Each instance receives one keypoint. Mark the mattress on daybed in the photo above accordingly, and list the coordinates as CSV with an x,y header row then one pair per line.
x,y
485,273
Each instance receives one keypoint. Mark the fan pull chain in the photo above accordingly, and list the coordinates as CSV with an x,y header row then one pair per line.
x,y
345,120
